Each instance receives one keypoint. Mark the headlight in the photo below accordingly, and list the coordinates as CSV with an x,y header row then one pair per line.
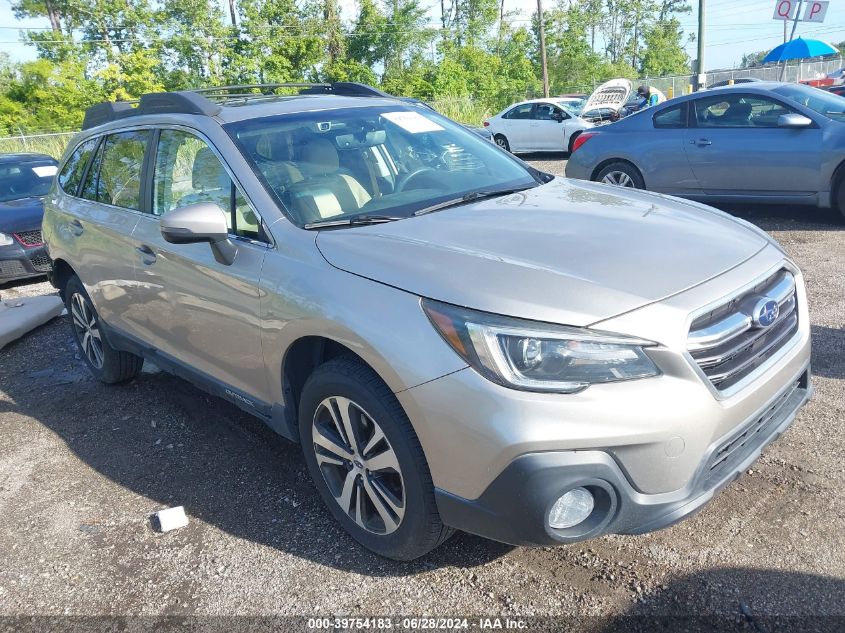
x,y
6,240
536,356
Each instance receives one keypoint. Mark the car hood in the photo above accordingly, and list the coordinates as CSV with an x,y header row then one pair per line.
x,y
569,252
21,215
612,94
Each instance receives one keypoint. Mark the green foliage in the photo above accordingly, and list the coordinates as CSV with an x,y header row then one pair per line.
x,y
476,64
664,54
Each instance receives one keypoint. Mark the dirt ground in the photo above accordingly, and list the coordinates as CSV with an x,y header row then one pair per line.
x,y
83,466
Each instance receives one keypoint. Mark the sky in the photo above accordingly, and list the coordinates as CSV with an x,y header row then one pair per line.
x,y
734,27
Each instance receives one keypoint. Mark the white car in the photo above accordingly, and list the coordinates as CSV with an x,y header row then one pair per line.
x,y
539,125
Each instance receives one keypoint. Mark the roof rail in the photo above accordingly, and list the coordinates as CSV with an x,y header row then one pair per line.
x,y
207,101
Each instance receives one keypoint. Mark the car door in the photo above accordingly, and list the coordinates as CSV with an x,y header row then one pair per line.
x,y
97,224
735,147
198,311
548,130
661,150
517,123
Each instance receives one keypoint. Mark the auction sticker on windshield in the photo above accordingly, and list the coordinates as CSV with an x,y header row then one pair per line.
x,y
412,122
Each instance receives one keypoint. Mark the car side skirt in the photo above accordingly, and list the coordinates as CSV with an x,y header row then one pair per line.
x,y
278,417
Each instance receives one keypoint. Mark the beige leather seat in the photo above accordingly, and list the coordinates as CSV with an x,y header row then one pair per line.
x,y
326,191
275,155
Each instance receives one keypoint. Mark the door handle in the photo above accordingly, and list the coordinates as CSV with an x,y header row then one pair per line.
x,y
148,256
703,142
76,228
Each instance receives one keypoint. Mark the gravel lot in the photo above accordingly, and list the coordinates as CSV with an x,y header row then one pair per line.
x,y
83,466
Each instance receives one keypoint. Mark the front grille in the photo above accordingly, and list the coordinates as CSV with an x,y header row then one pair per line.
x,y
731,341
40,262
732,452
11,268
29,238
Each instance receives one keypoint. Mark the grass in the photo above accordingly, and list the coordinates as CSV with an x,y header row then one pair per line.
x,y
462,109
51,145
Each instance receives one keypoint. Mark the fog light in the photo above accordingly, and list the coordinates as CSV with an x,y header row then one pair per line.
x,y
571,509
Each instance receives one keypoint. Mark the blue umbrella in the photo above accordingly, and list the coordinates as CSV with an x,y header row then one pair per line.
x,y
799,48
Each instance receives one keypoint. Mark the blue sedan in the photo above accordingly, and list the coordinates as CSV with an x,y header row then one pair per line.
x,y
761,142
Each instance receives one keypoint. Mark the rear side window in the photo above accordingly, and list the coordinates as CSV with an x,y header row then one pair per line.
x,y
72,172
670,117
121,160
520,112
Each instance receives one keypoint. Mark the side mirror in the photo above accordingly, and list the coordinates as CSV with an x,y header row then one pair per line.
x,y
794,120
558,116
201,222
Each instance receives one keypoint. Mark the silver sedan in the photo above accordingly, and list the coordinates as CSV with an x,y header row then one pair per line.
x,y
763,142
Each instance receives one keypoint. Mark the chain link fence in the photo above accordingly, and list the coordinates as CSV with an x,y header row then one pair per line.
x,y
800,71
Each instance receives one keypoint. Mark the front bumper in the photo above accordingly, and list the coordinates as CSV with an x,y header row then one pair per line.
x,y
18,262
515,507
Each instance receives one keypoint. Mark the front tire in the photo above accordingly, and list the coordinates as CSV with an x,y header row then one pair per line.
x,y
839,199
621,174
502,142
106,363
367,462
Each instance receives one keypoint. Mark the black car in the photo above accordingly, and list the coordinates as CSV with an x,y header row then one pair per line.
x,y
24,181
837,90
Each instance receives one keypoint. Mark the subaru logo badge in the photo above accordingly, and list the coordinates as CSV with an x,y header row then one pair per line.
x,y
766,312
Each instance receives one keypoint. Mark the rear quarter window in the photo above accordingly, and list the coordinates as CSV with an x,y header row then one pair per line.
x,y
71,174
670,118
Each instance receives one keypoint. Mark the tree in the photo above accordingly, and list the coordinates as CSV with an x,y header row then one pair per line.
x,y
663,53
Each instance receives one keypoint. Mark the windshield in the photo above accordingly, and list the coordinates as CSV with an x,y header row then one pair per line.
x,y
826,103
26,179
573,106
376,160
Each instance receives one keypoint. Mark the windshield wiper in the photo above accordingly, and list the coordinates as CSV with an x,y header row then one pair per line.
x,y
472,196
360,220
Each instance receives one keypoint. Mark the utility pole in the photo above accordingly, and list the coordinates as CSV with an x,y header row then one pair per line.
x,y
702,79
792,37
543,49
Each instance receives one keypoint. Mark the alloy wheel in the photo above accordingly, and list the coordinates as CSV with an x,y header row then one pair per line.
x,y
87,329
358,465
618,178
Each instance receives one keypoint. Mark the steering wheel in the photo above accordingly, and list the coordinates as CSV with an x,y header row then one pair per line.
x,y
402,183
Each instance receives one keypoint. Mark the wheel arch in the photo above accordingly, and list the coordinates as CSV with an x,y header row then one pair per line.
x,y
62,272
835,181
302,357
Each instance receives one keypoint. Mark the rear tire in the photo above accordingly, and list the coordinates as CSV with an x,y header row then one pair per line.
x,y
106,363
621,174
372,473
502,142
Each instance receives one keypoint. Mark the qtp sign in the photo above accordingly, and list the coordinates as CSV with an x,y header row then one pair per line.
x,y
814,11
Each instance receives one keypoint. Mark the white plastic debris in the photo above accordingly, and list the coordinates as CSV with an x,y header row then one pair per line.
x,y
171,519
19,316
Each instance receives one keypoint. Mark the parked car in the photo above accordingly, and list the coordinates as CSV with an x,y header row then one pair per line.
x,y
538,125
733,82
24,180
455,339
761,142
837,90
